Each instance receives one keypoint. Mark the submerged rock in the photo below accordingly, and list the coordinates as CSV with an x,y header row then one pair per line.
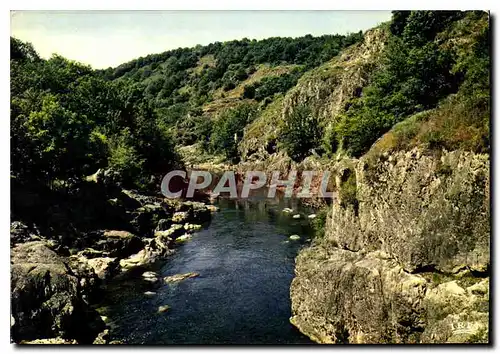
x,y
192,227
183,238
163,308
163,225
179,277
149,274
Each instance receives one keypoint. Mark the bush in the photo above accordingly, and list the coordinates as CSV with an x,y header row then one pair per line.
x,y
269,86
319,222
300,133
123,159
228,130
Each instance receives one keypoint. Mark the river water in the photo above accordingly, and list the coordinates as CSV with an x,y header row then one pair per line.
x,y
246,264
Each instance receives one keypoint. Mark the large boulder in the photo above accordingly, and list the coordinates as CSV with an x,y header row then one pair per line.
x,y
155,249
46,298
145,219
197,212
118,243
340,296
422,209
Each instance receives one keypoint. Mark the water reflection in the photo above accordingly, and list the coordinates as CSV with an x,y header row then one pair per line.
x,y
246,263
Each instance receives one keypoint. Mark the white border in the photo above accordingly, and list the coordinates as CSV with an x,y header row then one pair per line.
x,y
199,5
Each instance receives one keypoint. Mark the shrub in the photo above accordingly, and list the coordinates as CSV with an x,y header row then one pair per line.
x,y
300,133
319,222
124,159
228,130
348,190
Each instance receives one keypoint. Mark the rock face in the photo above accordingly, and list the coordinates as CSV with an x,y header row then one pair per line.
x,y
326,90
47,300
405,259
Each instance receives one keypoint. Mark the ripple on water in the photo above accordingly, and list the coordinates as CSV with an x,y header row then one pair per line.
x,y
241,295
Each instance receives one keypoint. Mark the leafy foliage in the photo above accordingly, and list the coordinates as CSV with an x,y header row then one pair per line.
x,y
228,130
300,133
269,86
417,73
66,122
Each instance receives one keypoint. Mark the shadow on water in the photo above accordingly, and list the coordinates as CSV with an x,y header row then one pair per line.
x,y
246,264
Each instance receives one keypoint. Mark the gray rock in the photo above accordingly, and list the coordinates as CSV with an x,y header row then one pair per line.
x,y
118,243
368,298
416,214
163,308
47,299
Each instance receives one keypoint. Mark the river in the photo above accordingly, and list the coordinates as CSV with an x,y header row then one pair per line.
x,y
246,263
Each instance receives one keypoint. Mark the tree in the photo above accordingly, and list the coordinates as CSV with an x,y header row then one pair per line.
x,y
228,130
300,133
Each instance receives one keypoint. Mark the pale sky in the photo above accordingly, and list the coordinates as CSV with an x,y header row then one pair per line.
x,y
109,38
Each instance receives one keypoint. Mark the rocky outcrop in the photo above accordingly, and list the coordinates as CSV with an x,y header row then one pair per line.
x,y
426,210
340,296
405,257
179,277
47,298
326,90
59,268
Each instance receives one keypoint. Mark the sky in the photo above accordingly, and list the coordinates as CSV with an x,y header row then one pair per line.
x,y
109,38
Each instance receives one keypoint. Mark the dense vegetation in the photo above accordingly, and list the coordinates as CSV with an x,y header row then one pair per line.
x,y
67,120
164,75
177,84
417,73
434,62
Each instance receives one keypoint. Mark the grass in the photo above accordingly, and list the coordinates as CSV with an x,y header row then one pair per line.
x,y
263,70
458,123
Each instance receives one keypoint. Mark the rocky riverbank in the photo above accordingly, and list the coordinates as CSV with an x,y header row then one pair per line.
x,y
58,270
405,257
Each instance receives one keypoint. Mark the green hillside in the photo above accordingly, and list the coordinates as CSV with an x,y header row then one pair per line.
x,y
247,100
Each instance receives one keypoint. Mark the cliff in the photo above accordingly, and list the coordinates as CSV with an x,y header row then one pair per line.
x,y
326,90
405,257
